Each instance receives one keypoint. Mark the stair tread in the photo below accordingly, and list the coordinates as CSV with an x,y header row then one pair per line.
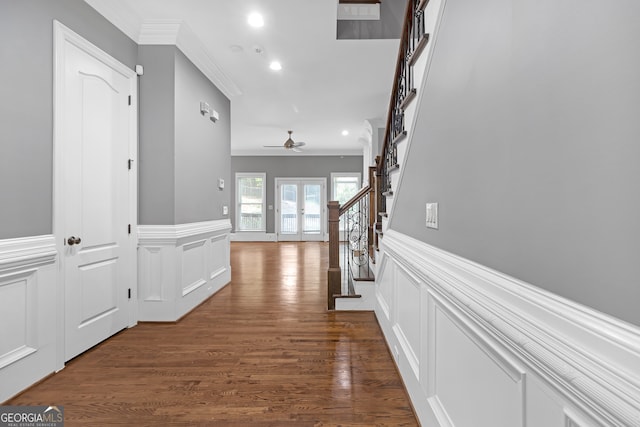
x,y
347,296
399,137
407,99
418,50
362,273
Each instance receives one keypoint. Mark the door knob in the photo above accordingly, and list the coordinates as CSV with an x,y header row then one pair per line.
x,y
74,241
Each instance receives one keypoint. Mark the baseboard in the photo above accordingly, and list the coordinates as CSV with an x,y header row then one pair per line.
x,y
467,338
249,236
179,266
28,312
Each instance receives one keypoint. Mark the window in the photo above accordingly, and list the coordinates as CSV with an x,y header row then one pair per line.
x,y
344,186
251,198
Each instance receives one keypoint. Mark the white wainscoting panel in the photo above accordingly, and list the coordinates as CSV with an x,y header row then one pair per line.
x,y
180,266
194,266
219,255
28,312
407,311
473,388
385,283
477,348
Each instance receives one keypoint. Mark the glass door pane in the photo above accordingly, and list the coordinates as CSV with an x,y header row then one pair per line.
x,y
311,208
289,209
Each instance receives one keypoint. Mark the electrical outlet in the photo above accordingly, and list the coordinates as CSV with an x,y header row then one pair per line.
x,y
432,215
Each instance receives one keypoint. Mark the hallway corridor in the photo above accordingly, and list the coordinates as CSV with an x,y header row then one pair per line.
x,y
261,352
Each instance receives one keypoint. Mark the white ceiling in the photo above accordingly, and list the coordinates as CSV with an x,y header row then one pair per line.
x,y
325,85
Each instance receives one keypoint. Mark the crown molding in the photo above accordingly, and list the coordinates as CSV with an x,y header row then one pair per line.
x,y
166,32
193,48
119,15
179,34
159,32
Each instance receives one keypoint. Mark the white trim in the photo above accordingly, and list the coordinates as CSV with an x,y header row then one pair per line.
x,y
358,12
589,359
174,234
27,252
253,236
167,32
263,175
180,266
120,15
335,175
178,33
29,263
300,182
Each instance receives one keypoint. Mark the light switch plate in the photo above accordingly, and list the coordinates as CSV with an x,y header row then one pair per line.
x,y
220,183
225,210
432,215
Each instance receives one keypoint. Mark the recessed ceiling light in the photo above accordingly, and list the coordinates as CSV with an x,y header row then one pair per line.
x,y
275,66
345,132
255,20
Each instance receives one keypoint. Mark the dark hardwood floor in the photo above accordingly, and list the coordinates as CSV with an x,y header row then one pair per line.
x,y
261,352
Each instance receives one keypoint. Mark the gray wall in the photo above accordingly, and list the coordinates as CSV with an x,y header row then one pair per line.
x,y
289,167
528,138
182,152
202,148
26,103
156,171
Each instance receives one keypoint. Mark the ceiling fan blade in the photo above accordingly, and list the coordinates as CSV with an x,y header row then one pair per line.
x,y
299,144
273,146
296,150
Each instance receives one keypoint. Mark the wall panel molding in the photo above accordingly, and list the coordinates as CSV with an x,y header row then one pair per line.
x,y
586,360
27,252
28,312
180,266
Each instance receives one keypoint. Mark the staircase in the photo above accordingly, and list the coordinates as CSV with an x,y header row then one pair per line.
x,y
354,289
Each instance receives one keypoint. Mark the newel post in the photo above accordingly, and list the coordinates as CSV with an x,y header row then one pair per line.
x,y
334,275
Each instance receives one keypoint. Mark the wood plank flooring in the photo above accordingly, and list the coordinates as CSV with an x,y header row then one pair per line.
x,y
261,352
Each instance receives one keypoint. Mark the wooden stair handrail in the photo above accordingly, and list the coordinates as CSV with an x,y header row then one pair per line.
x,y
352,201
404,38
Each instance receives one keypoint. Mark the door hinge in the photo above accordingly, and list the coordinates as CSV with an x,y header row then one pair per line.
x,y
129,99
129,228
129,293
129,163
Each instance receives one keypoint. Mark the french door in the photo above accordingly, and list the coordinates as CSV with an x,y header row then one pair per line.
x,y
301,209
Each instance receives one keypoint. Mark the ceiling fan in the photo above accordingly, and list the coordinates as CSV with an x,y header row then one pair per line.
x,y
289,144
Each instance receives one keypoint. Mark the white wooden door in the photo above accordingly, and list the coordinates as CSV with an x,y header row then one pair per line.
x,y
301,209
93,194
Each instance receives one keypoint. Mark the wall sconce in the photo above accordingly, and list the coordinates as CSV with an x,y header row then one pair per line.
x,y
206,110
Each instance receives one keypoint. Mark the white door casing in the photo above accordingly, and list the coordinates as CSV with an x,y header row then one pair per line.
x,y
95,142
306,218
